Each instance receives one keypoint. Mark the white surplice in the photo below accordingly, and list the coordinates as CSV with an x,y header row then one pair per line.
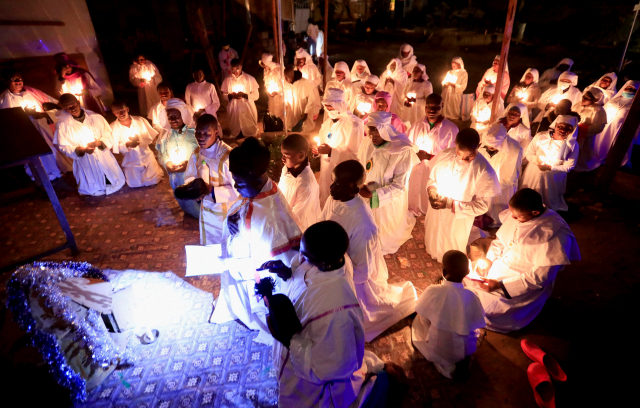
x,y
90,170
268,231
302,194
213,211
140,165
415,112
469,185
388,169
148,94
202,95
302,98
382,304
243,115
433,141
446,328
326,364
527,257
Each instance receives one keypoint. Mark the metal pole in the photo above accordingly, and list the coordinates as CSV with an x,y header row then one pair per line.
x,y
504,54
284,99
636,8
326,44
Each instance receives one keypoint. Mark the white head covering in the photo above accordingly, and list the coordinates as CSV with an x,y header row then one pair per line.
x,y
506,64
409,58
382,122
612,86
571,140
335,98
568,75
597,94
459,61
301,53
490,88
424,71
354,72
496,134
175,103
373,79
399,68
635,84
532,71
267,61
342,66
566,61
524,113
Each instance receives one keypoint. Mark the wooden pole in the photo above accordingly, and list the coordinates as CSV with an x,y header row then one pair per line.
x,y
246,42
326,44
504,54
620,147
276,46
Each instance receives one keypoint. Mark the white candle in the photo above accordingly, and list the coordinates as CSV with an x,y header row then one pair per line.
x,y
317,140
237,88
411,95
272,87
557,98
522,95
364,107
450,79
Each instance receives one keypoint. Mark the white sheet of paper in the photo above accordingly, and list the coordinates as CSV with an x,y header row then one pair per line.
x,y
204,260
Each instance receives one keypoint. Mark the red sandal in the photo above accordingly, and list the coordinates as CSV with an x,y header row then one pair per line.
x,y
538,355
543,390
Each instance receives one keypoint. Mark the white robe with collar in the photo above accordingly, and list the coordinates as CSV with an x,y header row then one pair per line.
x,y
382,304
302,194
573,94
415,112
520,134
470,186
452,95
90,170
202,95
526,257
243,114
302,98
446,329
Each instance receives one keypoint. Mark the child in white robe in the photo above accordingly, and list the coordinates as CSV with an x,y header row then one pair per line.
x,y
145,76
241,91
388,157
382,304
453,86
132,136
364,100
201,96
86,137
297,182
393,80
449,319
416,92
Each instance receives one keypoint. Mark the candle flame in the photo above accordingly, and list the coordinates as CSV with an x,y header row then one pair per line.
x,y
28,105
450,79
484,115
75,89
411,95
237,88
522,95
272,87
557,98
317,140
146,75
364,107
305,75
86,137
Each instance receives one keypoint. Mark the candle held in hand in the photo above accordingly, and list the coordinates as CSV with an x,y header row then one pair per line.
x,y
317,140
556,98
272,87
237,88
450,79
364,107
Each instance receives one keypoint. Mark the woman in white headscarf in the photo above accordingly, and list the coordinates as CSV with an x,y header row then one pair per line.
x,y
415,94
607,84
593,119
550,76
365,94
393,80
453,86
566,89
552,155
490,77
527,91
481,110
516,121
340,79
408,59
359,72
305,65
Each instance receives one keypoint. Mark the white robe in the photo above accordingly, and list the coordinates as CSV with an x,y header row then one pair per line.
x,y
521,134
218,177
349,91
446,329
55,165
362,97
433,141
275,104
573,94
396,90
388,169
326,364
617,110
492,76
532,96
268,231
202,95
224,58
90,170
551,184
242,113
74,85
302,98
344,137
148,94
452,95
595,117
481,112
507,164
415,112
140,165
469,185
526,257
382,304
311,73
302,193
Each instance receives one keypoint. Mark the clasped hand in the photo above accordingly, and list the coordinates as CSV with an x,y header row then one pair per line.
x,y
437,201
277,267
176,168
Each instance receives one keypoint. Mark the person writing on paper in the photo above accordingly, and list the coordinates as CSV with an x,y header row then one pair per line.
x,y
132,136
303,102
416,92
449,319
211,164
201,96
453,86
527,92
259,227
241,91
364,100
383,304
85,137
432,134
388,160
297,182
460,183
481,111
145,76
532,246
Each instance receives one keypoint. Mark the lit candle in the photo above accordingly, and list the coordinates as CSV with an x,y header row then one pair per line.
x,y
543,160
522,95
450,79
272,87
364,107
317,140
484,115
556,98
388,72
305,75
146,75
411,95
86,137
198,106
237,88
28,105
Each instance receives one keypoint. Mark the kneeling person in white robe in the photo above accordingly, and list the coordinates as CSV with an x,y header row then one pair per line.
x,y
532,246
132,136
383,304
86,137
388,159
446,329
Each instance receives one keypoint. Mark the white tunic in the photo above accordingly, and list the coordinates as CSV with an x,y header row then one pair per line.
x,y
302,194
243,115
520,134
148,94
572,93
344,137
382,304
452,95
302,98
469,185
311,73
218,178
527,257
388,169
433,141
326,363
272,78
396,90
90,170
362,97
140,165
617,110
507,164
202,95
481,114
492,76
446,328
416,111
551,184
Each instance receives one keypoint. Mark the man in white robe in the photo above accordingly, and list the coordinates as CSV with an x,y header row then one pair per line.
x,y
453,86
132,136
388,157
259,227
145,76
225,56
407,58
158,115
201,96
339,138
460,182
312,33
432,134
505,156
532,246
241,91
298,183
86,137
302,101
359,72
305,65
271,78
382,304
566,89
